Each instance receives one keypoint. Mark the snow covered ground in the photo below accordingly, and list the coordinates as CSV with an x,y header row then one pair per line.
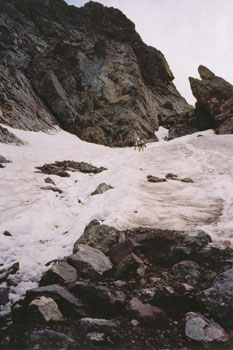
x,y
44,225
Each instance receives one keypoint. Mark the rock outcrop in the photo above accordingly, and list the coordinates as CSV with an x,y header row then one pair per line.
x,y
85,69
213,109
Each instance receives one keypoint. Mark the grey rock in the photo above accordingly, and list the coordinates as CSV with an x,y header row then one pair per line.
x,y
120,88
88,325
51,188
7,137
155,179
69,305
61,273
48,180
102,299
189,271
103,187
146,312
47,308
199,328
96,337
187,180
171,176
4,160
196,239
90,261
7,233
4,295
48,339
98,236
218,299
9,270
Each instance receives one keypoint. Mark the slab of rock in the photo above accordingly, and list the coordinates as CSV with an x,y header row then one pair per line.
x,y
199,328
103,187
69,305
187,270
120,250
47,308
61,273
51,188
101,299
90,262
98,236
155,179
218,299
87,325
146,312
48,339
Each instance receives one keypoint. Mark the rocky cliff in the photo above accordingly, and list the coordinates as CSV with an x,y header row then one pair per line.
x,y
85,69
213,109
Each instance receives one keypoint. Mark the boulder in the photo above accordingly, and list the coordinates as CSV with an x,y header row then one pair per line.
x,y
120,251
188,271
199,328
98,236
69,305
91,262
61,273
47,308
218,299
101,299
155,179
146,312
187,180
48,180
7,137
103,187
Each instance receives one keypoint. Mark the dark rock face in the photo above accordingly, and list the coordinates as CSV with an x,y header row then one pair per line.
x,y
214,107
85,69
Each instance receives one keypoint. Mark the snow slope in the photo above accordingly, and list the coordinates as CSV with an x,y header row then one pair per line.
x,y
44,225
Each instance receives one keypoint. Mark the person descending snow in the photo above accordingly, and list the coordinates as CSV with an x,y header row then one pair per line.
x,y
140,144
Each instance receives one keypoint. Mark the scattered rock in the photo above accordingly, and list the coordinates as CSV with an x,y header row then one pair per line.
x,y
7,137
90,261
48,180
51,188
61,168
47,308
48,339
5,272
88,325
98,236
199,328
61,273
7,233
171,176
4,160
187,180
151,178
188,271
103,187
96,337
146,312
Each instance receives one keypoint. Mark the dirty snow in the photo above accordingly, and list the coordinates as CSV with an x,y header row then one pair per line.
x,y
44,225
